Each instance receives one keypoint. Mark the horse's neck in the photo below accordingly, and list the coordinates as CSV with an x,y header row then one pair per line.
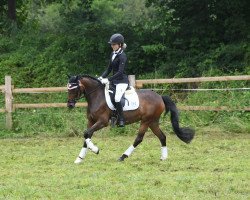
x,y
94,92
89,85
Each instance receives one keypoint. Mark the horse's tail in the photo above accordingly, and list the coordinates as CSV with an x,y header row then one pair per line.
x,y
185,134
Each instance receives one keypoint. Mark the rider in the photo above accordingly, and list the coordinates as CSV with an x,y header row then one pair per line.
x,y
117,64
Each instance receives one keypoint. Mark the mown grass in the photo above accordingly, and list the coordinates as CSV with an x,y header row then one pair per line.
x,y
213,166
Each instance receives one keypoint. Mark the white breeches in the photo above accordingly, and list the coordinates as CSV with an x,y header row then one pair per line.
x,y
120,89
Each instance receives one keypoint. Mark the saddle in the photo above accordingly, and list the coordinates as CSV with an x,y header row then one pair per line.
x,y
129,100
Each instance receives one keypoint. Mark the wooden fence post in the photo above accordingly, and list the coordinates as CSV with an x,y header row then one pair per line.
x,y
8,102
131,79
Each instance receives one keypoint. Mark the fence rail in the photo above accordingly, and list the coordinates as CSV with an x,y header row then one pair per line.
x,y
46,105
140,83
8,90
40,90
212,108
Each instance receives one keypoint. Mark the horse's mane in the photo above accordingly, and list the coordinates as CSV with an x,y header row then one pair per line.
x,y
76,78
91,77
88,76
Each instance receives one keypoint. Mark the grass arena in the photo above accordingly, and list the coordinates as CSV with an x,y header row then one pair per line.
x,y
213,166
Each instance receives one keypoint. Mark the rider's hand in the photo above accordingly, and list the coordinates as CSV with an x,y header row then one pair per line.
x,y
104,81
100,78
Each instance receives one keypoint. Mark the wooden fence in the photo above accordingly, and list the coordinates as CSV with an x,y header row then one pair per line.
x,y
8,90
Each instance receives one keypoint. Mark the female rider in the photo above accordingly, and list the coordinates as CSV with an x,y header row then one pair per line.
x,y
117,64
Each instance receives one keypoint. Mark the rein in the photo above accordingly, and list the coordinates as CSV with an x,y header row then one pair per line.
x,y
86,94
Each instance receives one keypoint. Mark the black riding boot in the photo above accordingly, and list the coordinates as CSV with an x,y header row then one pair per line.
x,y
119,110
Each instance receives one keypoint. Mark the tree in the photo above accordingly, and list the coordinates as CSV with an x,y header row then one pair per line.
x,y
12,10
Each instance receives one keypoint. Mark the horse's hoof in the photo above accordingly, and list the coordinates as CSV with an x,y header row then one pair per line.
x,y
78,160
98,152
121,159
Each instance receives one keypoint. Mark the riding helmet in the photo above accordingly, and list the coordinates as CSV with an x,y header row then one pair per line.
x,y
116,39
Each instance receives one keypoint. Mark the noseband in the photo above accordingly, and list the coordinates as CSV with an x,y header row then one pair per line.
x,y
72,86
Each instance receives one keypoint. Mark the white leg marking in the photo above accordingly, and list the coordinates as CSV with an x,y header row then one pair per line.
x,y
91,146
81,156
164,153
129,151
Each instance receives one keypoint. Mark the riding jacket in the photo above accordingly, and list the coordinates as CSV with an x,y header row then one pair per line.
x,y
117,65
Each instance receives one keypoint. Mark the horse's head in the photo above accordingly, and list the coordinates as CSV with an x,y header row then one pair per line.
x,y
75,90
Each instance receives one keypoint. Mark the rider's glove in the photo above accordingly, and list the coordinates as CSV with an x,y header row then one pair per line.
x,y
100,78
104,81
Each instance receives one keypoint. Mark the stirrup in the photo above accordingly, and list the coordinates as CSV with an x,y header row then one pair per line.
x,y
113,121
121,123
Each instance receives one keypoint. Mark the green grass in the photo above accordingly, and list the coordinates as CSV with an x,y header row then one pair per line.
x,y
61,122
213,166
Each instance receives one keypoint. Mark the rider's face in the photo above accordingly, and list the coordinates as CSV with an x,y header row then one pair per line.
x,y
115,47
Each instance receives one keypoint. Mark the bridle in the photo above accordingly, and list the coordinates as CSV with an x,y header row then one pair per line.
x,y
72,86
92,91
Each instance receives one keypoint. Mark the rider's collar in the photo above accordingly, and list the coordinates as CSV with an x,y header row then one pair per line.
x,y
119,51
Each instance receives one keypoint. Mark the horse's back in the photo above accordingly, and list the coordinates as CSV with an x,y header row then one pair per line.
x,y
150,102
148,94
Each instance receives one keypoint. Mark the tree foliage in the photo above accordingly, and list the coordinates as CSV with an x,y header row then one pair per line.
x,y
184,38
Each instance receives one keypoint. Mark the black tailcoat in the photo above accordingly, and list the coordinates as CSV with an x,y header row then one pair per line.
x,y
118,66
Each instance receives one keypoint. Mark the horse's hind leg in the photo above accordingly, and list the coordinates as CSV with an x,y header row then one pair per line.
x,y
162,137
138,140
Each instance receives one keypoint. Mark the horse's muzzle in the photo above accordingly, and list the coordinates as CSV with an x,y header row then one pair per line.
x,y
71,104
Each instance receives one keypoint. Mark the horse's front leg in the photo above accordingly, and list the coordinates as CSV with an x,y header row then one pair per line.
x,y
88,144
89,133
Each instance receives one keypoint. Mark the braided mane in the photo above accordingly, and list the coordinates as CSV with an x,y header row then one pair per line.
x,y
75,79
88,76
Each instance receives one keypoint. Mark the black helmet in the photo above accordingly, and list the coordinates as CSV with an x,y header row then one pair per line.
x,y
116,39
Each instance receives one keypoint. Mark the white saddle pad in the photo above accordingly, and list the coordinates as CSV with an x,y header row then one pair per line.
x,y
131,102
